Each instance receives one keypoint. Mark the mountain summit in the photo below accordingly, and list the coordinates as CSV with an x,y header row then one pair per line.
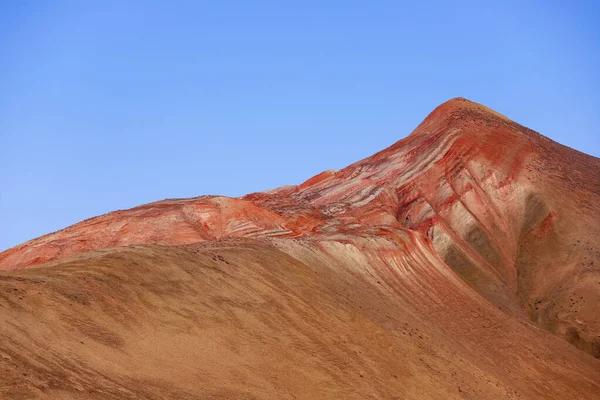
x,y
460,262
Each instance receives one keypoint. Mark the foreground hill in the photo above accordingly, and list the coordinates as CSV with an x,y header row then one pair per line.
x,y
460,262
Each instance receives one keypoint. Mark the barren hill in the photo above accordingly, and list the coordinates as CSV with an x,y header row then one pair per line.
x,y
460,262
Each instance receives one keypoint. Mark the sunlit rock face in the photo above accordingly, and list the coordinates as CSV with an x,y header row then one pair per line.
x,y
476,226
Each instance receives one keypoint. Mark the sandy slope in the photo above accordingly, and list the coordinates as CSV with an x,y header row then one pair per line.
x,y
279,319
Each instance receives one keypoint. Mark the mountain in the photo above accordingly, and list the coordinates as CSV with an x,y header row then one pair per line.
x,y
460,262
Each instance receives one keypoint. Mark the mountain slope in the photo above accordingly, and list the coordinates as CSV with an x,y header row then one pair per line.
x,y
446,251
243,318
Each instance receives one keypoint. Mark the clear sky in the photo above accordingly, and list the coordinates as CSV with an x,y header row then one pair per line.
x,y
106,105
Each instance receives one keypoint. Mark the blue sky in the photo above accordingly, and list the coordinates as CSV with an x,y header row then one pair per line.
x,y
106,105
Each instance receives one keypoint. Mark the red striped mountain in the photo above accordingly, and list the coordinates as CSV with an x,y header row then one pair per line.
x,y
472,221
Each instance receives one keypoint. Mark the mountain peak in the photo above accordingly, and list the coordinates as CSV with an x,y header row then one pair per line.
x,y
461,103
458,111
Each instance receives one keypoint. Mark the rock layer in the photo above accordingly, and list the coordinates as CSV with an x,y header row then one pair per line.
x,y
473,228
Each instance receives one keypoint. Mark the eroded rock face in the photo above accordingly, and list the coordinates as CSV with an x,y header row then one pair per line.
x,y
470,202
